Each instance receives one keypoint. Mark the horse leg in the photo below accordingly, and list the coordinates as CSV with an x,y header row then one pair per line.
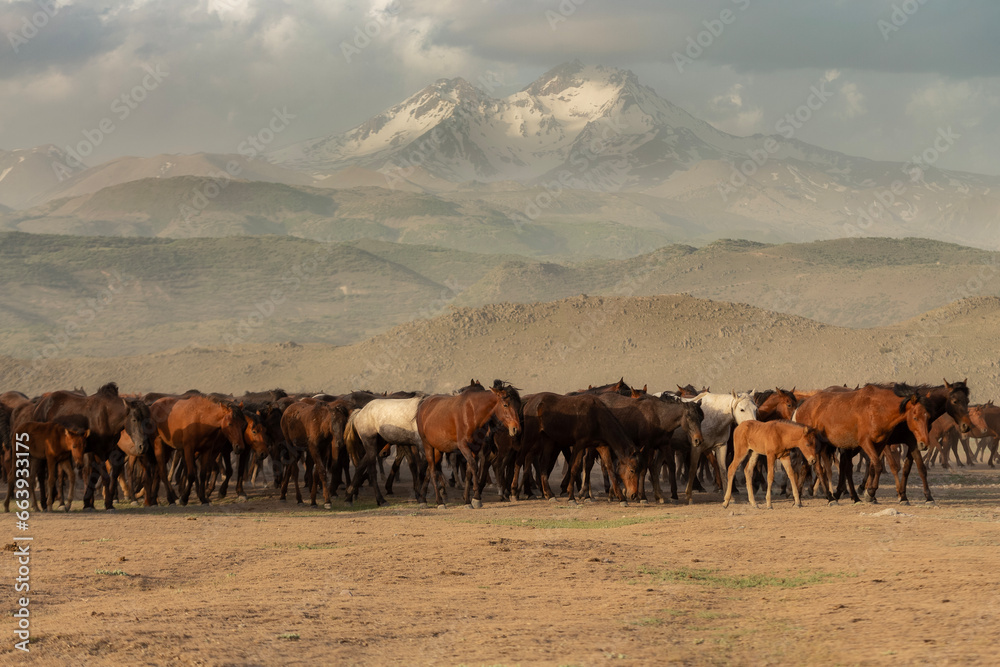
x,y
786,462
748,472
227,472
770,478
876,470
394,470
694,459
242,463
917,458
738,455
893,462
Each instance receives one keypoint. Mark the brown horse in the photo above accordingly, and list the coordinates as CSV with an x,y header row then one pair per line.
x,y
54,444
318,430
773,439
573,424
949,398
650,422
775,404
105,414
197,426
458,422
862,418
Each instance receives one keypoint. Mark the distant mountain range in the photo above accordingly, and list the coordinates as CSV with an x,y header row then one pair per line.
x,y
583,147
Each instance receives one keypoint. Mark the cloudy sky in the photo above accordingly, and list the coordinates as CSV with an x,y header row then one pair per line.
x,y
900,69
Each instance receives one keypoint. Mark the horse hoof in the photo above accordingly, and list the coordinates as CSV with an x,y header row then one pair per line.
x,y
205,502
242,498
904,502
553,500
643,502
931,503
661,501
89,509
421,506
623,503
299,503
832,503
442,506
571,503
476,504
469,506
327,506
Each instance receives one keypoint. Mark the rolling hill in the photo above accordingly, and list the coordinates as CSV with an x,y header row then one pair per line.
x,y
204,292
571,343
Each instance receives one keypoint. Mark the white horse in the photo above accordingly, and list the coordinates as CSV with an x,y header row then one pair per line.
x,y
722,413
381,421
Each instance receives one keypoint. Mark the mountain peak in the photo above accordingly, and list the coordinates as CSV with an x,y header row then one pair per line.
x,y
574,74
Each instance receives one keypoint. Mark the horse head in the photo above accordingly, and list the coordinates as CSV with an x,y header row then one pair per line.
x,y
917,419
508,407
139,425
691,420
957,404
743,408
75,440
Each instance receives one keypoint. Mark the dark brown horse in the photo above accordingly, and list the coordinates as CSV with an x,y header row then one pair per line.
x,y
104,415
54,444
573,424
458,422
862,418
316,430
650,423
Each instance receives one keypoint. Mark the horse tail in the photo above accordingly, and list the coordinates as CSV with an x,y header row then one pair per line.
x,y
352,440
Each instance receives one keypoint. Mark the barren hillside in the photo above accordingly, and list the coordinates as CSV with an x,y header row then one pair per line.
x,y
570,343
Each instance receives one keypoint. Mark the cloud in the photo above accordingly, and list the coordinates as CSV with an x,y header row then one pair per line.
x,y
233,61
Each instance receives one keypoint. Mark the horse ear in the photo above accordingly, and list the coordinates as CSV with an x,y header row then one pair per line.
x,y
946,385
793,389
645,388
734,393
914,398
589,387
680,389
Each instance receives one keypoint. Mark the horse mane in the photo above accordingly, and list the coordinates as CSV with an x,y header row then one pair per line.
x,y
508,390
696,407
761,396
110,390
667,397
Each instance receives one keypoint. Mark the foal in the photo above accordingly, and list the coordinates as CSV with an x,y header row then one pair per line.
x,y
775,440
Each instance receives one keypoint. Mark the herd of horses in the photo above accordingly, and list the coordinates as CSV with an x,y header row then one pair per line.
x,y
130,445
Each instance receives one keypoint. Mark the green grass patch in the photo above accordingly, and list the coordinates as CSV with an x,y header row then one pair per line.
x,y
115,573
710,577
290,636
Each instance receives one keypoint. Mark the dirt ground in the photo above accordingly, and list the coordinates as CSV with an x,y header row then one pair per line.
x,y
532,582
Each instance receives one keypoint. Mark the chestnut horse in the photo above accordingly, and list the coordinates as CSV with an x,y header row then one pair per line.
x,y
197,426
862,418
774,439
447,423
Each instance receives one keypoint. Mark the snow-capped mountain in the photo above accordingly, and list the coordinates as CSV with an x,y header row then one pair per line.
x,y
573,117
597,128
